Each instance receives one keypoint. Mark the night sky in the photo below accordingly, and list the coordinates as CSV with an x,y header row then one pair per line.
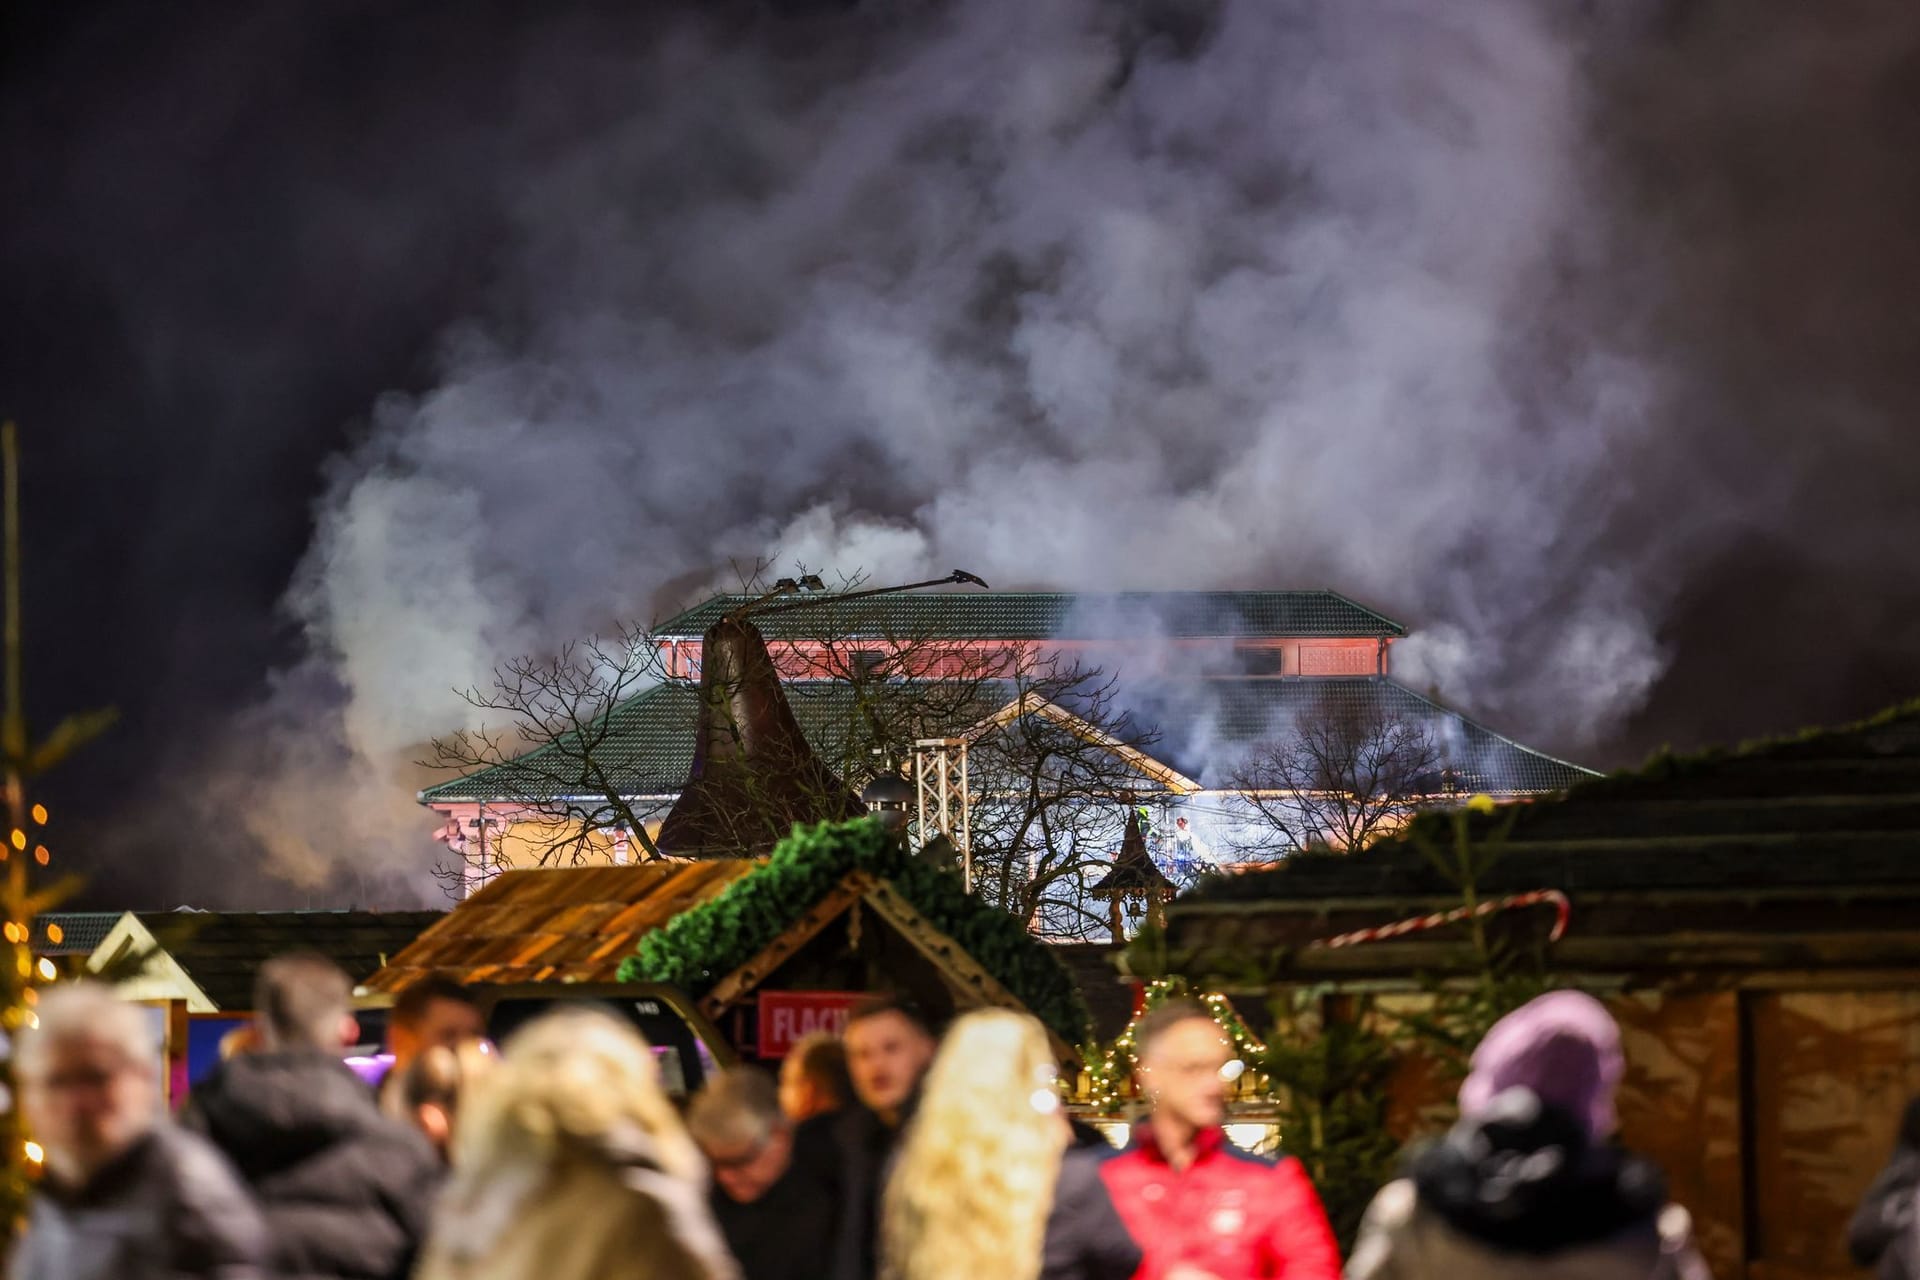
x,y
245,247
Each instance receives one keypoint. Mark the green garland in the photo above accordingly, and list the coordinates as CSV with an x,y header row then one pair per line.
x,y
700,946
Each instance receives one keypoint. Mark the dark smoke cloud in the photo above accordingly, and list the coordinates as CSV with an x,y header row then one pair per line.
x,y
1581,340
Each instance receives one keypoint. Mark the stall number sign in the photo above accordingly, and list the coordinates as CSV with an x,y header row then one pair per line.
x,y
785,1016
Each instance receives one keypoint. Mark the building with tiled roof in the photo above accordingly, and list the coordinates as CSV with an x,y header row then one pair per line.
x,y
1060,615
1210,673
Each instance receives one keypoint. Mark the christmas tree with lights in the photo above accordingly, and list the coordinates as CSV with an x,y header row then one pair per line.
x,y
23,853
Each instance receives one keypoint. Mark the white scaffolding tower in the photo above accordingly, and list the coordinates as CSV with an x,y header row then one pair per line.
x,y
940,785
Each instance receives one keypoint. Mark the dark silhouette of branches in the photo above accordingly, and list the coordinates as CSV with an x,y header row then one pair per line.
x,y
1341,774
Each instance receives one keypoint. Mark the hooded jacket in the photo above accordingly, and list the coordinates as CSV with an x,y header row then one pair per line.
x,y
607,1211
1883,1232
346,1191
1229,1214
1520,1191
168,1208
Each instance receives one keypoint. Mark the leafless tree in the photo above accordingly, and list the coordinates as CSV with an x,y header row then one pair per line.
x,y
546,751
1051,784
1342,773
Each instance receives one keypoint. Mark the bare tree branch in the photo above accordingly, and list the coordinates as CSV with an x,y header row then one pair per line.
x,y
1340,775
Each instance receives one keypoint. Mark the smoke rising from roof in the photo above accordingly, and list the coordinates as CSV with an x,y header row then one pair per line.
x,y
1517,323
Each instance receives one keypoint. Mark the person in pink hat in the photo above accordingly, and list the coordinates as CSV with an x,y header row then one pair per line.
x,y
1530,1182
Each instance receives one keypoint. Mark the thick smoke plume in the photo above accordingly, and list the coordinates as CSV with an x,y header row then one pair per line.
x,y
1451,307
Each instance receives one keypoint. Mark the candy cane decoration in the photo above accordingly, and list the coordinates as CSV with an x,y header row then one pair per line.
x,y
1562,915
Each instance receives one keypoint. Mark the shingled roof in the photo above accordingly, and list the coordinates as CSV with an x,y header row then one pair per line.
x,y
1732,854
1054,615
1201,720
560,924
649,747
80,931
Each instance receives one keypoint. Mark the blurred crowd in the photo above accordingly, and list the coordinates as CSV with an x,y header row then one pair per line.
x,y
888,1152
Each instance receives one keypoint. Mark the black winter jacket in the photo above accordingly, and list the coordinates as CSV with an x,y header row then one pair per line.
x,y
346,1191
1085,1238
169,1208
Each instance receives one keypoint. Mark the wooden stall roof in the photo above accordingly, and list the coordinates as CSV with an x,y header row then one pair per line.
x,y
971,986
1798,853
557,924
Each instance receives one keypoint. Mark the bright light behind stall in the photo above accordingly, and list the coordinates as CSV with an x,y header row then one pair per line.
x,y
1261,1138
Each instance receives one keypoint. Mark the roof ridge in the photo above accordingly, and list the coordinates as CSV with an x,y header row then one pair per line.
x,y
1437,705
1344,598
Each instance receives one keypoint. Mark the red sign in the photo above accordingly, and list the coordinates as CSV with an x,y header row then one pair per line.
x,y
785,1016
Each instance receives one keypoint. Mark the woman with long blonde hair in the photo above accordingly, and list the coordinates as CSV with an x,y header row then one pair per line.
x,y
570,1163
986,1185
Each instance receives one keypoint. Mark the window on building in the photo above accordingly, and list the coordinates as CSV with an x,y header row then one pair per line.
x,y
1261,660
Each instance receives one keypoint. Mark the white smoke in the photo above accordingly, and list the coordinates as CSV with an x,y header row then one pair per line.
x,y
1274,296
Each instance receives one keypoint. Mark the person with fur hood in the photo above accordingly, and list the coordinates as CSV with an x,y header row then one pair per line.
x,y
571,1163
1530,1182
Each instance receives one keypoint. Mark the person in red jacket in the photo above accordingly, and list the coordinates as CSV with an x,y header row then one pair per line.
x,y
1201,1208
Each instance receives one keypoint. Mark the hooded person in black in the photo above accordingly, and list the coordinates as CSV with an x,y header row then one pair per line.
x,y
346,1191
1530,1183
1883,1232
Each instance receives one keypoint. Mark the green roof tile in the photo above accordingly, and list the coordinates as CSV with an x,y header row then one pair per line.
x,y
1047,615
649,745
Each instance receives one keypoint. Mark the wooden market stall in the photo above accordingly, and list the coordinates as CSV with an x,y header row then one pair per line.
x,y
1753,918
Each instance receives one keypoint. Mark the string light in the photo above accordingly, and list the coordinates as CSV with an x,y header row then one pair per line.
x,y
34,1154
47,972
19,838
55,934
40,815
40,855
1110,1075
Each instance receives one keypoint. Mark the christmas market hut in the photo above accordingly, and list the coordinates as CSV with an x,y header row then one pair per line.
x,y
1751,915
196,969
841,909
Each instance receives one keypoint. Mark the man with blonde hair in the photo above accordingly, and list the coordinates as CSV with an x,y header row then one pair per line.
x,y
127,1196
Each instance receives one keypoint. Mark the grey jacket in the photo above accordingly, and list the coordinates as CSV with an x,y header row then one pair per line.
x,y
169,1209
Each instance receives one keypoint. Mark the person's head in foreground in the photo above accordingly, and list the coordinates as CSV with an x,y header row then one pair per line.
x,y
434,1011
303,1003
89,1077
577,1081
1186,1067
434,1084
748,1141
1564,1049
975,1181
572,1161
813,1077
889,1046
